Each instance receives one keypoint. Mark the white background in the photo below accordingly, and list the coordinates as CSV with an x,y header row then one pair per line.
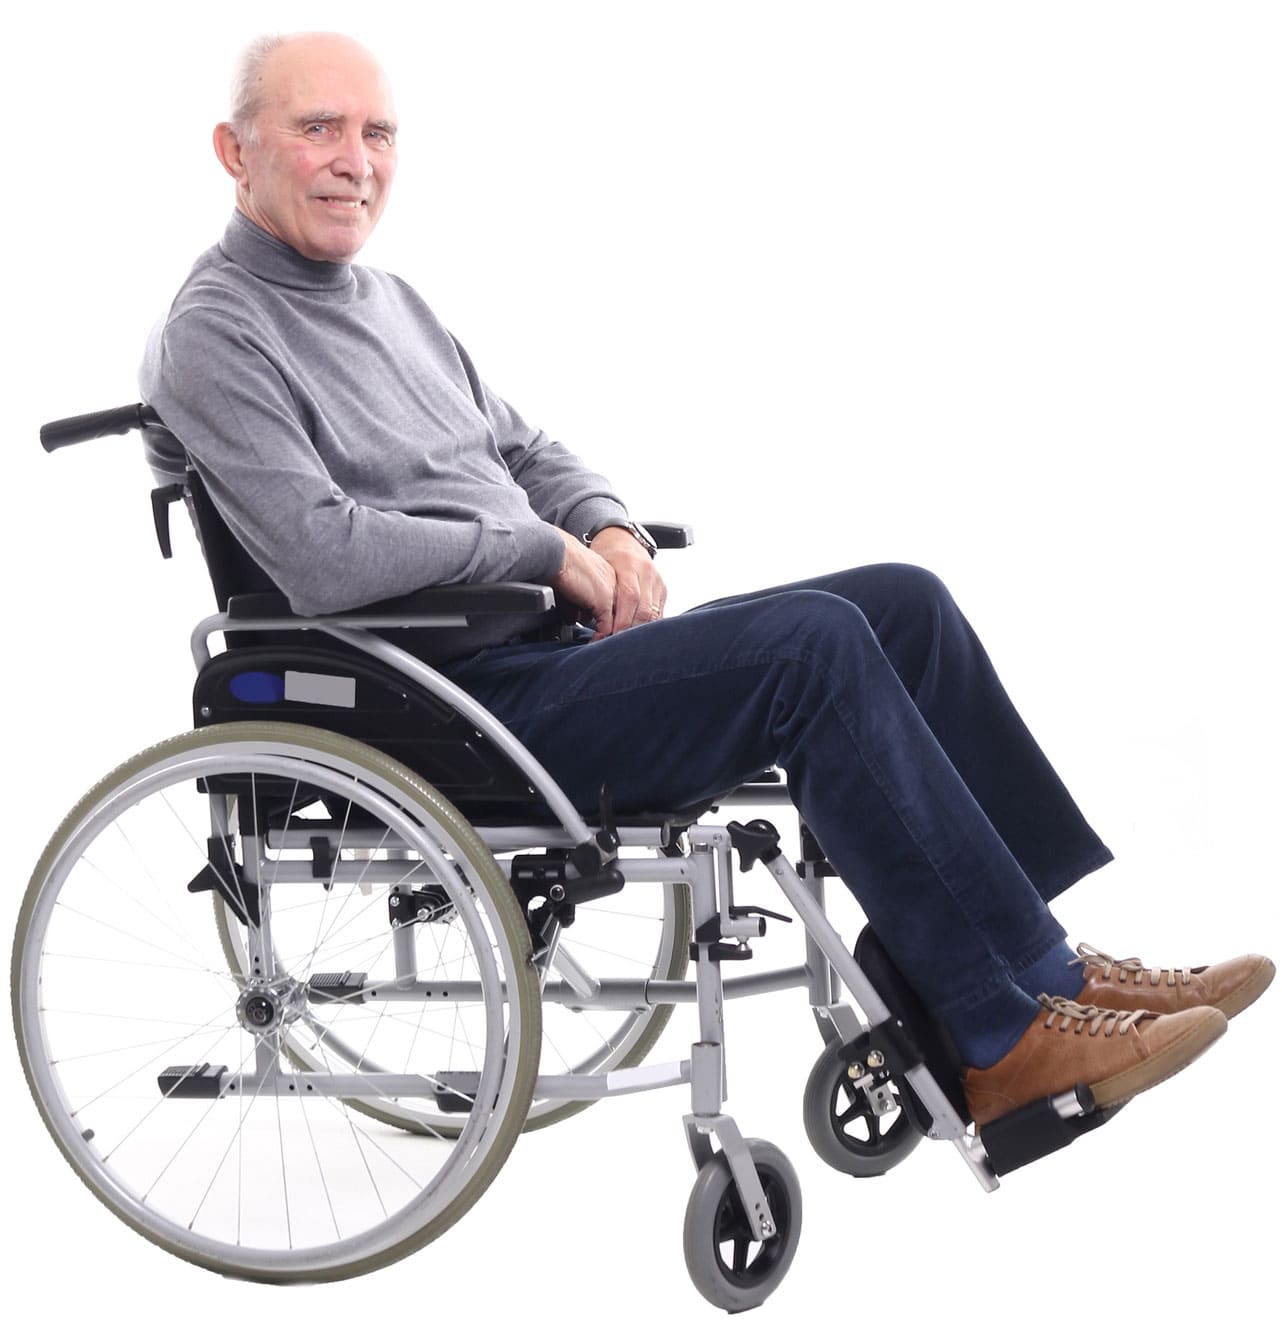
x,y
994,288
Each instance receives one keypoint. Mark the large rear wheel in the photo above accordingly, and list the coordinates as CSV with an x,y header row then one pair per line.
x,y
237,1160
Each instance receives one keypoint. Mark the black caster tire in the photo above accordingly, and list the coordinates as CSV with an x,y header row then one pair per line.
x,y
842,1127
727,1265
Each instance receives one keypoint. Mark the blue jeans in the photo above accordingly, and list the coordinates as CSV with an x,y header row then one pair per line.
x,y
904,756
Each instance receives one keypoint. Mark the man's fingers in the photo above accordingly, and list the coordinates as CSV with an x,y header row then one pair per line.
x,y
638,600
605,592
650,609
654,596
605,620
627,602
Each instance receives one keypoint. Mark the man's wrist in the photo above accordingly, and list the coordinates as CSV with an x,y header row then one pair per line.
x,y
628,527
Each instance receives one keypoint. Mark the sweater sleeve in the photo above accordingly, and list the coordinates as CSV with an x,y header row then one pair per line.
x,y
561,488
218,390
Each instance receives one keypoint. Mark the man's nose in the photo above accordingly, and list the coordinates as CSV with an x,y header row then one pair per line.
x,y
352,158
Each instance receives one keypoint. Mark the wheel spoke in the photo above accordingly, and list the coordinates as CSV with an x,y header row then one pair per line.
x,y
741,1249
848,1114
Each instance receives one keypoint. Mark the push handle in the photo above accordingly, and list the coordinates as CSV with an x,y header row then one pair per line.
x,y
102,423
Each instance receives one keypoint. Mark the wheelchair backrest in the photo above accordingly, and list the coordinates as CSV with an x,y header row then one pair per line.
x,y
231,569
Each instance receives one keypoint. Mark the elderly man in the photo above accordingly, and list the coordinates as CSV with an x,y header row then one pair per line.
x,y
354,450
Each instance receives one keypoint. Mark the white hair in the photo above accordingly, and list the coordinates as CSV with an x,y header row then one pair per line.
x,y
247,84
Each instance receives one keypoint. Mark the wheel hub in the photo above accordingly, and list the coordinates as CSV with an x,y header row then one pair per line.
x,y
267,1005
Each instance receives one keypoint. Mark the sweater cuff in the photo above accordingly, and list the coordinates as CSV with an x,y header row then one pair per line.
x,y
540,553
593,512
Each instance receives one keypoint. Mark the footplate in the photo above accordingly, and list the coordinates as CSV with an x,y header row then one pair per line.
x,y
456,1091
201,1082
1040,1128
336,987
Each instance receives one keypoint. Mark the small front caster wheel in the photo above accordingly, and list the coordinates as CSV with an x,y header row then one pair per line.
x,y
844,1127
728,1265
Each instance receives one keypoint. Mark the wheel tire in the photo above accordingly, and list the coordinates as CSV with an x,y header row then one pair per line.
x,y
112,953
842,1127
715,1219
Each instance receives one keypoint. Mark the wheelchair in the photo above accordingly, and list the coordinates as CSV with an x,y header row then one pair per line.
x,y
288,987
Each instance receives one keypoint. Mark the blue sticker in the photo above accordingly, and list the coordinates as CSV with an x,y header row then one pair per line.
x,y
257,687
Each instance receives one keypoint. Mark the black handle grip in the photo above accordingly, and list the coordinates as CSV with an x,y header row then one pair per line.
x,y
103,423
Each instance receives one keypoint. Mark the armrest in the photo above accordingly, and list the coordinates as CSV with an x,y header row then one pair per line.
x,y
669,535
511,599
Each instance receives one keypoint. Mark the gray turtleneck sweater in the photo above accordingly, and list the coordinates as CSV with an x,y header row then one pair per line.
x,y
347,439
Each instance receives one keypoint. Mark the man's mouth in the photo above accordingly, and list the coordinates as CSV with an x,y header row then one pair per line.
x,y
339,201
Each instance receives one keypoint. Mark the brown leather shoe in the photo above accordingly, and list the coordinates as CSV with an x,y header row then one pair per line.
x,y
1116,1054
1128,985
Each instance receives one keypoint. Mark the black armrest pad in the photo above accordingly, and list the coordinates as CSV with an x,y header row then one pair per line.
x,y
669,535
513,599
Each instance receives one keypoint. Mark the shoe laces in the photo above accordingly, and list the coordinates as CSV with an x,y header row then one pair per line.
x,y
1079,1017
1132,967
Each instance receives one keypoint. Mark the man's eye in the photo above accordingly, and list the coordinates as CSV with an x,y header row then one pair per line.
x,y
380,137
318,130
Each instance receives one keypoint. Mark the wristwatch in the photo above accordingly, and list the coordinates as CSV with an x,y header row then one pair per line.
x,y
632,527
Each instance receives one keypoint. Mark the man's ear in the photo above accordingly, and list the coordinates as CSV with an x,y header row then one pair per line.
x,y
227,149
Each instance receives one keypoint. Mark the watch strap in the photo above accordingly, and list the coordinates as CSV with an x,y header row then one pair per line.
x,y
632,527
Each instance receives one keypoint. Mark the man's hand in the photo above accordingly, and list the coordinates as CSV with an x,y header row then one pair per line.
x,y
586,581
639,590
614,581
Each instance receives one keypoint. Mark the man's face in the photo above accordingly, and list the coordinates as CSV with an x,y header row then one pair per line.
x,y
323,157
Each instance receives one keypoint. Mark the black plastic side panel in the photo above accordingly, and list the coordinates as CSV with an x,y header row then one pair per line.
x,y
387,713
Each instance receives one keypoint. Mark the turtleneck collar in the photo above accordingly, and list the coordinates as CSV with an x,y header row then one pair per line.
x,y
263,255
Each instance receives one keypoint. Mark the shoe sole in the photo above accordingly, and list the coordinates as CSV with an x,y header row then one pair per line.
x,y
1160,1066
1248,991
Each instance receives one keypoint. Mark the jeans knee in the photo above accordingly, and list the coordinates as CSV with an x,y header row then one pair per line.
x,y
916,586
811,626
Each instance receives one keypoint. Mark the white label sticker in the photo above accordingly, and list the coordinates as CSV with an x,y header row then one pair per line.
x,y
317,688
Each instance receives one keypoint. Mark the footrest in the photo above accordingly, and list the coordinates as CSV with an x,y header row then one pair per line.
x,y
1040,1128
336,987
456,1091
202,1082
